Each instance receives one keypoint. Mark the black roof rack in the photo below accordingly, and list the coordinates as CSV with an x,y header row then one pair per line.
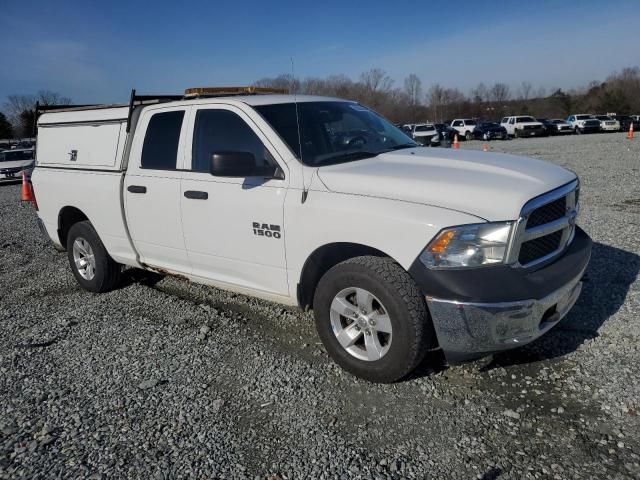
x,y
136,100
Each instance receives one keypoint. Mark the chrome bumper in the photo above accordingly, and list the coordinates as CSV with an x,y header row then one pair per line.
x,y
471,330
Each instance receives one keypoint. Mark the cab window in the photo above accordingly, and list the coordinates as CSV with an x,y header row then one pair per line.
x,y
160,148
224,131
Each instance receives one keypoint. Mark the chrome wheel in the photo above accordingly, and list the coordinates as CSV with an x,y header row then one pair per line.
x,y
84,258
361,324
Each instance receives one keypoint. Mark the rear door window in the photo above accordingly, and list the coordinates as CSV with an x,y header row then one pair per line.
x,y
160,148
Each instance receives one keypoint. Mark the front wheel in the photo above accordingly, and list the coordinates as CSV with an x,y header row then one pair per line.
x,y
372,318
92,266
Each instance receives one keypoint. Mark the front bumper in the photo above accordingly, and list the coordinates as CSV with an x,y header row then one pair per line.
x,y
487,310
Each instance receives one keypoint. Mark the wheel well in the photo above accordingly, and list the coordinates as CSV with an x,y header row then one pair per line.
x,y
322,260
67,217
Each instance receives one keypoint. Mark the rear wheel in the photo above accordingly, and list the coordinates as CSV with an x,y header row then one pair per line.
x,y
372,318
90,263
468,136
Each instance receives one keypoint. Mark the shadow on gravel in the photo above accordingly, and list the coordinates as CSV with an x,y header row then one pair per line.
x,y
136,275
609,276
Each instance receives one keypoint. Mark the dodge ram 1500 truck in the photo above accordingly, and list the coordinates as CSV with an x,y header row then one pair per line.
x,y
321,203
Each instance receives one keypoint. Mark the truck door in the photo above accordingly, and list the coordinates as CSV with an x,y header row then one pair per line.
x,y
152,189
233,227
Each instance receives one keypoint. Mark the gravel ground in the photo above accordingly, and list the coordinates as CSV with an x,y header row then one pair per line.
x,y
165,379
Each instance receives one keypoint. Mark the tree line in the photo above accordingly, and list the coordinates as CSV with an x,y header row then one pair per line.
x,y
409,102
18,112
619,93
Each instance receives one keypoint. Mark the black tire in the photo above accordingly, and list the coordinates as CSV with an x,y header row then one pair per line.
x,y
515,133
578,132
413,332
106,271
468,135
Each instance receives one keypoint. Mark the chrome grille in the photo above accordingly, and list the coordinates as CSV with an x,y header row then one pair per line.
x,y
545,227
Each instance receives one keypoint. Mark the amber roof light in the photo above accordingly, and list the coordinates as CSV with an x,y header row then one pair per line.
x,y
221,91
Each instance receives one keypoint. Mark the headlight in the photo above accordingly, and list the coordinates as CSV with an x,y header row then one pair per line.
x,y
468,246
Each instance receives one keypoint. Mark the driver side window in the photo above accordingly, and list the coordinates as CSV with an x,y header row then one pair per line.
x,y
224,131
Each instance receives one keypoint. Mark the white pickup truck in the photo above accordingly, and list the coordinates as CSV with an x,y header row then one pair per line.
x,y
321,203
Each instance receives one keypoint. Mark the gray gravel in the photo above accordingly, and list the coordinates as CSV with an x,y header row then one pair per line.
x,y
164,379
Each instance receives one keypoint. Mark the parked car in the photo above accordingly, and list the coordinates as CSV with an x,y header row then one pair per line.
x,y
490,131
556,126
425,134
625,122
13,162
464,127
608,124
407,128
397,249
523,126
446,132
584,123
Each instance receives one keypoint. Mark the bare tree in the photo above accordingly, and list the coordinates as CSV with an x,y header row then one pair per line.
x,y
20,109
525,90
435,101
413,88
376,80
500,92
480,93
285,81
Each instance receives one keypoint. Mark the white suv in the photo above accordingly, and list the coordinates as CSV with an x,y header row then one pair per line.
x,y
426,134
584,123
523,126
608,124
464,127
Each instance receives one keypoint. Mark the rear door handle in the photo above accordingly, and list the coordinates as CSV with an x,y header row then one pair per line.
x,y
196,195
137,189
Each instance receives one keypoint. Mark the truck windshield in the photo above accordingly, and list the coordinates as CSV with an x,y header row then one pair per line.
x,y
333,132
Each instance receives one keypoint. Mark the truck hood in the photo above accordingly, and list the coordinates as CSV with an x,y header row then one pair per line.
x,y
492,186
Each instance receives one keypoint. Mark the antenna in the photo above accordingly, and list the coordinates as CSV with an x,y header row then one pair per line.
x,y
305,190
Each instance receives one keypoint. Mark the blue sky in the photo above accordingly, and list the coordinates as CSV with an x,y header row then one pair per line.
x,y
97,51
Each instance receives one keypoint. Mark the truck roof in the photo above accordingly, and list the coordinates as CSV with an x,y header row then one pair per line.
x,y
119,112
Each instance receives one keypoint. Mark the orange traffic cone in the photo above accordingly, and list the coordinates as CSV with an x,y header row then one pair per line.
x,y
27,194
455,141
630,134
485,148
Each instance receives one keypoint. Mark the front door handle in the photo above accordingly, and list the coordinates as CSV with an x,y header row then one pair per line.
x,y
137,189
196,195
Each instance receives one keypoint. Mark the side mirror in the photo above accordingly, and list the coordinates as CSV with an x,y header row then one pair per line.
x,y
232,164
241,164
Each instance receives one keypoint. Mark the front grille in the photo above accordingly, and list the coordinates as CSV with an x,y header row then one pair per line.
x,y
539,247
546,226
548,213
